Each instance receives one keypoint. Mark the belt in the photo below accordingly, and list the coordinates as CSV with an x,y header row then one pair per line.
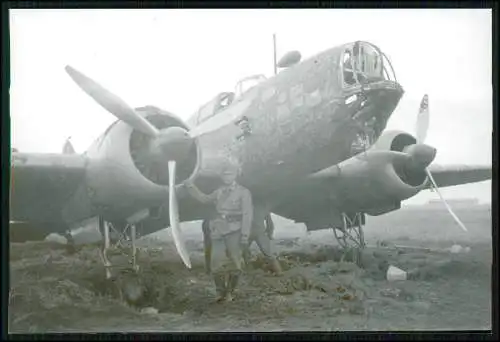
x,y
231,217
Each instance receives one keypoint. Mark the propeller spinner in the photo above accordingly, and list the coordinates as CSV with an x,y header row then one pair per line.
x,y
171,143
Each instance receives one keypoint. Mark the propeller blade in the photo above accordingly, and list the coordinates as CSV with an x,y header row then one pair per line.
x,y
174,216
111,102
422,124
434,185
427,155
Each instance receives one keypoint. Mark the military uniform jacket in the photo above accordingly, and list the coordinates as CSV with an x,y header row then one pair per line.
x,y
228,200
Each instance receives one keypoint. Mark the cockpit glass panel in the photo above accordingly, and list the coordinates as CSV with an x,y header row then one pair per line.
x,y
220,102
247,83
225,100
363,62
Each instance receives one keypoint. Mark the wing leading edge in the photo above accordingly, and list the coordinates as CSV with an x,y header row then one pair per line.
x,y
444,175
450,175
308,202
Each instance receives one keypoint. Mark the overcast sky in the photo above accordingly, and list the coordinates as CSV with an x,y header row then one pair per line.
x,y
179,59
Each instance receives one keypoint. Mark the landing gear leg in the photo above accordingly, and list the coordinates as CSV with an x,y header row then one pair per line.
x,y
104,227
350,236
133,234
126,242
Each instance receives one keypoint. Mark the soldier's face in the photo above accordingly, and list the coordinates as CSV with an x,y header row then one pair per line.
x,y
228,177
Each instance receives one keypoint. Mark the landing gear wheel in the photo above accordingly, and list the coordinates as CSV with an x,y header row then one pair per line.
x,y
350,236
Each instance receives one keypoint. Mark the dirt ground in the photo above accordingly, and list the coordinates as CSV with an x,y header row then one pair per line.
x,y
53,290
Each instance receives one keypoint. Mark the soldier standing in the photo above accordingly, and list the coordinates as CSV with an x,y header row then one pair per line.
x,y
207,244
261,233
229,230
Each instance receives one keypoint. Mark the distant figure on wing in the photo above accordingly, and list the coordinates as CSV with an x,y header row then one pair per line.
x,y
229,230
68,147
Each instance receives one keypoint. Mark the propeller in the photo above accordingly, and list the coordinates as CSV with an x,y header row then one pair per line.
x,y
111,102
422,126
174,216
171,143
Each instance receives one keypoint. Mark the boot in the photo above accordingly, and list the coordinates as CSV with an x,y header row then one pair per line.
x,y
276,267
220,286
232,284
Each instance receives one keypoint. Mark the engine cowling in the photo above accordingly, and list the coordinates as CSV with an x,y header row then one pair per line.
x,y
377,180
399,141
122,170
153,168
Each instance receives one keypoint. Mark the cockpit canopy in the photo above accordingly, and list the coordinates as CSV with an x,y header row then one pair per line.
x,y
364,62
245,84
223,100
217,104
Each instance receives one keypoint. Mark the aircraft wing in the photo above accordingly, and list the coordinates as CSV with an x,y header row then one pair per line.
x,y
444,175
362,183
450,175
41,184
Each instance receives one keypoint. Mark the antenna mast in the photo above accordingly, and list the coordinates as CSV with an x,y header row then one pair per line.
x,y
274,52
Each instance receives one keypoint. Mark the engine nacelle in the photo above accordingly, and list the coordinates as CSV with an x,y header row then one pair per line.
x,y
121,173
139,145
400,141
377,180
394,141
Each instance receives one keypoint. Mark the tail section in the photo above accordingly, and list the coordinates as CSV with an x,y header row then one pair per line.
x,y
423,119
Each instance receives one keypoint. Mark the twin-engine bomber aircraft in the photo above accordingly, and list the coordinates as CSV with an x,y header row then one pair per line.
x,y
310,142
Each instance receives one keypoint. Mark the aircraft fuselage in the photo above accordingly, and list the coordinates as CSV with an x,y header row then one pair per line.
x,y
300,121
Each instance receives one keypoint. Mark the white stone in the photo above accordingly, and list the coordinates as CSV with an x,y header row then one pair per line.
x,y
467,249
53,237
149,311
456,249
394,274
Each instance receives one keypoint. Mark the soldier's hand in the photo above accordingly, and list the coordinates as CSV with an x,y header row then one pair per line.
x,y
244,240
188,183
245,253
